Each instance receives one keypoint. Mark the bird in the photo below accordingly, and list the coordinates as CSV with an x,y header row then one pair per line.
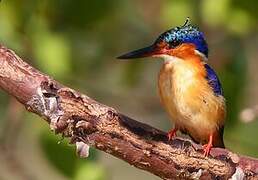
x,y
189,88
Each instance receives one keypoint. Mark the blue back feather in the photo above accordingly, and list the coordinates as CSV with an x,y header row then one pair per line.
x,y
213,80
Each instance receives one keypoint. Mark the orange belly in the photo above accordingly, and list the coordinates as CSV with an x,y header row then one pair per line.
x,y
190,101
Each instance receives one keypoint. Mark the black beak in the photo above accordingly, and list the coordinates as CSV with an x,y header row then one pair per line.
x,y
140,53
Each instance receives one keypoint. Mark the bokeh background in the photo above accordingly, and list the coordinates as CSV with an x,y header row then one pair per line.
x,y
76,42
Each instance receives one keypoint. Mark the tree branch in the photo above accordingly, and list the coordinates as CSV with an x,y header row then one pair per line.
x,y
86,121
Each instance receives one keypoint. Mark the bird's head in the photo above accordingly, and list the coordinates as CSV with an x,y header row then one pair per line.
x,y
176,42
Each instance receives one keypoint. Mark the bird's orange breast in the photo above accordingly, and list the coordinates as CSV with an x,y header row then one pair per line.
x,y
188,98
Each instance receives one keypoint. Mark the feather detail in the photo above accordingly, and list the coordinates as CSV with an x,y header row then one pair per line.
x,y
190,100
213,80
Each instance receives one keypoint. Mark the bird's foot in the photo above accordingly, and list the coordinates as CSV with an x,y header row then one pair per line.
x,y
207,147
171,133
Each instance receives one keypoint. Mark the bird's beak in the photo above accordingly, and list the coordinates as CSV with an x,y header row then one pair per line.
x,y
141,53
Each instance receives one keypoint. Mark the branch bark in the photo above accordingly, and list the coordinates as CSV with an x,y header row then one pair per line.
x,y
87,122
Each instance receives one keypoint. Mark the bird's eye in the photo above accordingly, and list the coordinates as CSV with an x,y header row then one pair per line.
x,y
174,43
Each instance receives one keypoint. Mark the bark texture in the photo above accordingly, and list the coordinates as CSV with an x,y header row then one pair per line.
x,y
87,122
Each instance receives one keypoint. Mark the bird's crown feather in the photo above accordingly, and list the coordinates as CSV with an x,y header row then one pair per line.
x,y
185,34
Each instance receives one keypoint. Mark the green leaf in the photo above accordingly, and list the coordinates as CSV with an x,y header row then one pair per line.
x,y
90,171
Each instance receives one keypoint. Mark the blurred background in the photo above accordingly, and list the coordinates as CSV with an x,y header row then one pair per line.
x,y
76,42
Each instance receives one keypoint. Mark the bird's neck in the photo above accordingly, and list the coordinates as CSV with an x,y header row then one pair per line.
x,y
192,66
197,58
170,59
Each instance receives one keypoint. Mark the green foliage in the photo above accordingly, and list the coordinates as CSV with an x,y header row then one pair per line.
x,y
59,154
234,79
174,13
220,10
79,14
52,53
90,171
64,158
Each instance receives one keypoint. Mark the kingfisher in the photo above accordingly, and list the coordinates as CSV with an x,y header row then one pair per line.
x,y
189,88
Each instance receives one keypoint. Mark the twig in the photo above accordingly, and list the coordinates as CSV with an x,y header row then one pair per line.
x,y
87,122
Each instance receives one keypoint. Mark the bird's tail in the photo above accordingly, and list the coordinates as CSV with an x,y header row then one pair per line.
x,y
219,142
218,139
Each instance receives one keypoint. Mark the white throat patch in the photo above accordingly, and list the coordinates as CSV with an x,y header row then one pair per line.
x,y
204,58
168,58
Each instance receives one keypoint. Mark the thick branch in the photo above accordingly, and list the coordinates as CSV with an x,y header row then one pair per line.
x,y
84,120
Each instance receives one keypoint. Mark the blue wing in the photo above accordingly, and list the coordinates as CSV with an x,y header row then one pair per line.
x,y
213,80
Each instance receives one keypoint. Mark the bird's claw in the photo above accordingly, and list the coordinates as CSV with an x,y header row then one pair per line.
x,y
171,133
207,149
